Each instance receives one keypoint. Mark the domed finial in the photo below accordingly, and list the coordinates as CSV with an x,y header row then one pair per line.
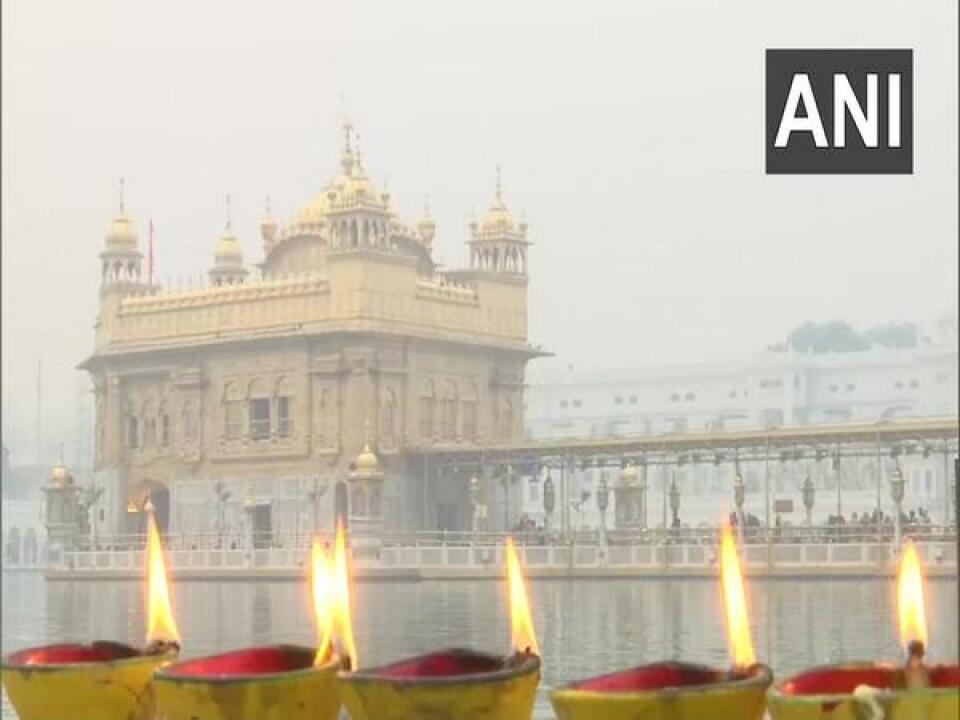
x,y
122,210
229,219
359,156
499,187
346,162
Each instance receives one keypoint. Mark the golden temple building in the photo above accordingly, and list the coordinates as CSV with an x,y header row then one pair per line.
x,y
292,394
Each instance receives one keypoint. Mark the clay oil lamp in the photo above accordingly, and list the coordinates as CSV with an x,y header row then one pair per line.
x,y
679,690
101,680
879,691
456,684
274,682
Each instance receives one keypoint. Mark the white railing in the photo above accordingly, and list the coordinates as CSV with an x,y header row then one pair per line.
x,y
487,556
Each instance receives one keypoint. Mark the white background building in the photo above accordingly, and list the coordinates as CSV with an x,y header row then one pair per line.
x,y
768,390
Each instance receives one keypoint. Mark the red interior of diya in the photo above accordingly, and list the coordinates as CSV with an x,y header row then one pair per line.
x,y
652,677
445,663
250,661
945,676
69,653
843,681
840,681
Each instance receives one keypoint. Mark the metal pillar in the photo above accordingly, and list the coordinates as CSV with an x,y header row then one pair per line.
x,y
766,486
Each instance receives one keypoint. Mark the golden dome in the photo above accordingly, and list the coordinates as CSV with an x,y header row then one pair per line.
x,y
228,249
121,232
367,460
498,219
59,475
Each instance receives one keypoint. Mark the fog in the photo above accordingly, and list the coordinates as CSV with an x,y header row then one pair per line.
x,y
630,136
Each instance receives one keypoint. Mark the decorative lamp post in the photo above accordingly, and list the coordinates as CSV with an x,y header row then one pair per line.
x,y
91,499
249,506
896,494
643,486
603,501
675,501
739,495
628,497
809,495
222,495
836,472
475,501
549,500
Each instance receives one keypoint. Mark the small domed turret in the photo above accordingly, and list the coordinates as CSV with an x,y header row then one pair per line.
x,y
228,266
120,258
367,460
497,243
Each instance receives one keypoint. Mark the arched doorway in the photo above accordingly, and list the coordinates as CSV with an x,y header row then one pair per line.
x,y
341,504
159,496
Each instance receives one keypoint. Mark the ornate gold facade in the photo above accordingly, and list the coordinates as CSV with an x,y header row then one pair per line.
x,y
268,388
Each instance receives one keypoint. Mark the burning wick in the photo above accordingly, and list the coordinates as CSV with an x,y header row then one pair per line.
x,y
330,589
521,623
913,624
162,633
735,606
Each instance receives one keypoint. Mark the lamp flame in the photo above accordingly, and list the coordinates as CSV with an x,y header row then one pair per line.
x,y
523,637
910,606
735,602
161,627
330,590
321,591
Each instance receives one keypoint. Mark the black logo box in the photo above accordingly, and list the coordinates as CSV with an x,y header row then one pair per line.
x,y
801,155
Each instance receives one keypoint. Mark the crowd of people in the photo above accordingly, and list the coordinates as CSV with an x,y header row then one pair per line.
x,y
915,517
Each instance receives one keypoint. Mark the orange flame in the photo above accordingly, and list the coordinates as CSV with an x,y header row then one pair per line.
x,y
910,606
321,591
523,637
160,623
330,588
735,602
343,626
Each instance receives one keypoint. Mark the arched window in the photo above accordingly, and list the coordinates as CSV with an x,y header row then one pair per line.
x,y
358,503
470,412
149,415
388,417
448,411
428,403
354,239
284,408
258,400
133,427
375,502
232,410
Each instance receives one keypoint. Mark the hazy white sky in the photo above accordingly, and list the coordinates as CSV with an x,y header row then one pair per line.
x,y
630,134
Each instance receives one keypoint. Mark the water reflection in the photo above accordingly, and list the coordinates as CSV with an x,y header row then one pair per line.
x,y
585,627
